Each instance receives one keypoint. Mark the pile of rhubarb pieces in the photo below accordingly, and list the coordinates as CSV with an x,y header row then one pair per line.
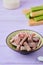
x,y
35,15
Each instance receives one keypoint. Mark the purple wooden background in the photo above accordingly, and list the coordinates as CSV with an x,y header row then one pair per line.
x,y
11,20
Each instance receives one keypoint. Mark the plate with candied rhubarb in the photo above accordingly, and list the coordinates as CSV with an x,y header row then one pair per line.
x,y
24,41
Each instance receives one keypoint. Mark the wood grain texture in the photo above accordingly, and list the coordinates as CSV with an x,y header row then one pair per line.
x,y
11,20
